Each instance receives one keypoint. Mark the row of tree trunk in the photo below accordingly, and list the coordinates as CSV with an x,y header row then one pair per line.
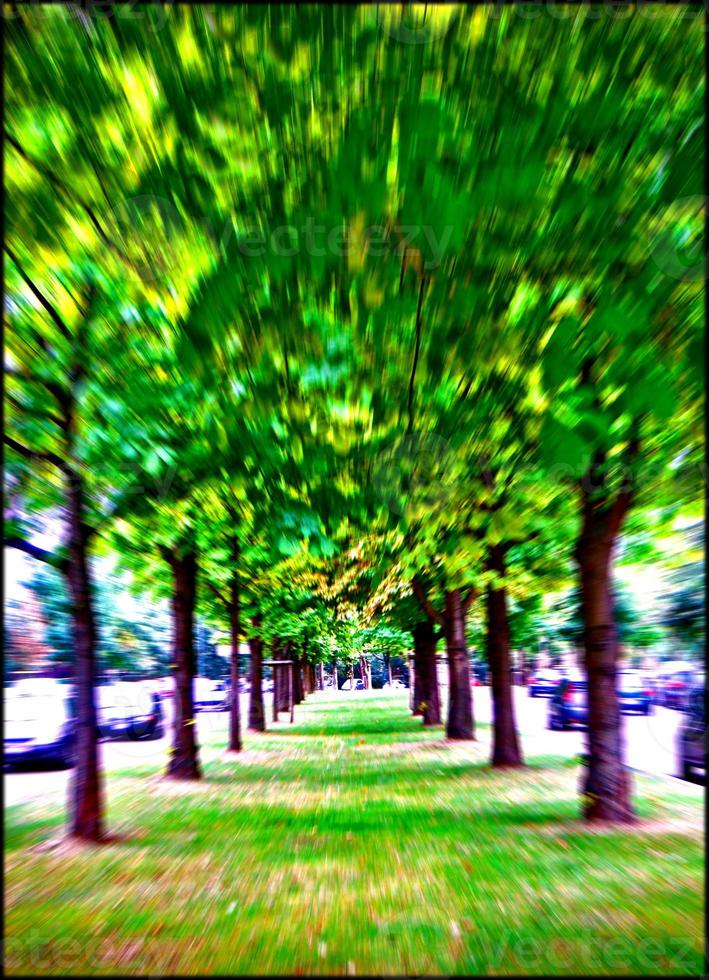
x,y
606,787
303,678
606,783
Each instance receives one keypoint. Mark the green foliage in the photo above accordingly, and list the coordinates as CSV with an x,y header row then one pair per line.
x,y
684,615
499,292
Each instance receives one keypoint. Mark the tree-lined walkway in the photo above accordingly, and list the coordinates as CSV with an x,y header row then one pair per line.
x,y
354,841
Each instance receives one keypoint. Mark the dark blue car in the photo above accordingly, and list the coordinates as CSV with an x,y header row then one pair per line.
x,y
568,707
544,683
634,693
692,738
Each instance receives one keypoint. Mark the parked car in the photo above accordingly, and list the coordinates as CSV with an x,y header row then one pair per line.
x,y
692,738
568,707
163,686
211,694
357,684
40,717
544,682
129,709
39,723
673,683
677,690
634,693
395,684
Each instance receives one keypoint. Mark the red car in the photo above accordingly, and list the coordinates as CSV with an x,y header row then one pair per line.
x,y
676,690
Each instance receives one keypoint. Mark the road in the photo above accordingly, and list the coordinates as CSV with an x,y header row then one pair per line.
x,y
650,742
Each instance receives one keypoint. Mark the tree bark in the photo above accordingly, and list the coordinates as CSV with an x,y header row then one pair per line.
x,y
429,675
277,696
606,787
283,703
235,744
460,723
387,663
86,787
422,633
335,683
280,689
183,763
505,741
321,676
257,721
298,692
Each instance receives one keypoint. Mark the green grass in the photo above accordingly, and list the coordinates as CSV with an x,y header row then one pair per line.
x,y
355,842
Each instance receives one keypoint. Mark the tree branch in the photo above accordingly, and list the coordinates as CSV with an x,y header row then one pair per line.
x,y
513,542
166,554
35,412
624,499
49,307
470,598
19,544
34,454
417,348
425,603
65,189
212,588
60,395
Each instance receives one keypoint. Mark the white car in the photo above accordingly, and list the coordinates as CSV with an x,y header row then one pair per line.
x,y
39,723
130,709
40,717
210,694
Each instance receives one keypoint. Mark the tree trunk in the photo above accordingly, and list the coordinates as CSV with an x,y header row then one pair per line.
x,y
430,696
420,631
335,682
309,677
257,721
277,696
321,676
283,703
280,688
86,787
363,672
183,763
505,741
387,664
298,693
235,628
460,702
606,788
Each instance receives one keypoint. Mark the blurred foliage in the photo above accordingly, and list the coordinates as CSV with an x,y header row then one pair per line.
x,y
684,613
370,306
126,642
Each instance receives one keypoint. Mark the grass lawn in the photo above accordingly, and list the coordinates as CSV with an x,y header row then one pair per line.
x,y
354,842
